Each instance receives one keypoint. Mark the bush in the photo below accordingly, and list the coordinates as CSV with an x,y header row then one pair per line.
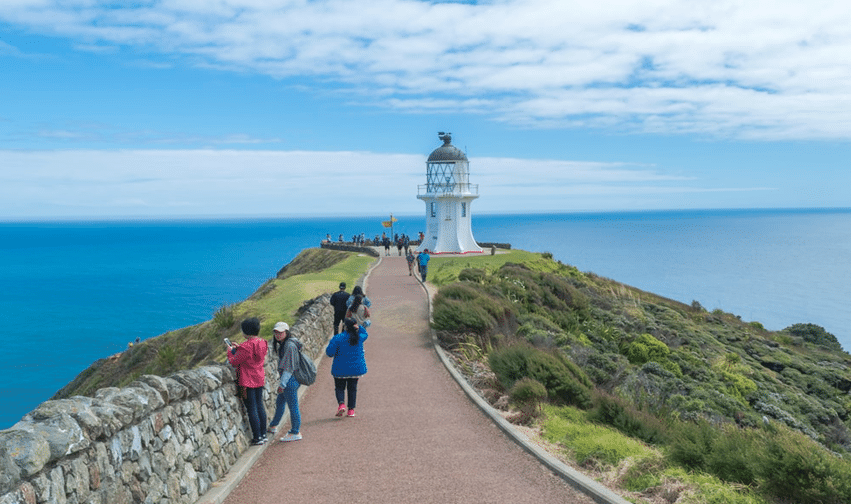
x,y
463,307
814,334
792,466
691,443
622,415
475,275
589,443
527,394
645,348
224,317
461,316
564,381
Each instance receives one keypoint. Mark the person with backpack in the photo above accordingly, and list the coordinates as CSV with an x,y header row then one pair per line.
x,y
288,349
349,364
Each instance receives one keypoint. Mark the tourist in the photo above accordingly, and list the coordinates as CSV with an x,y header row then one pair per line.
x,y
349,365
358,291
359,312
339,300
422,260
287,348
410,258
248,359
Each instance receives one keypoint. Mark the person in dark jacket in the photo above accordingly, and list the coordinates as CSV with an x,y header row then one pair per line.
x,y
349,364
338,301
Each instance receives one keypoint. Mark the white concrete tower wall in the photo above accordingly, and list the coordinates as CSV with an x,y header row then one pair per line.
x,y
448,196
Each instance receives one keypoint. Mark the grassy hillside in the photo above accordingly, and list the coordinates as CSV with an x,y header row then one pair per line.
x,y
312,273
763,414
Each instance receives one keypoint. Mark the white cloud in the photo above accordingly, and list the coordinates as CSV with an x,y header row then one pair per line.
x,y
774,70
151,183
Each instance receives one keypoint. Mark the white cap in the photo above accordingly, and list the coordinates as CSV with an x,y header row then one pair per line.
x,y
281,327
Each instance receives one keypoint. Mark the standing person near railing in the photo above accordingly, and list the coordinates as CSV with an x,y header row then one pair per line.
x,y
248,359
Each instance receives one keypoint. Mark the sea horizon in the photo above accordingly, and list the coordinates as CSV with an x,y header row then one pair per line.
x,y
335,215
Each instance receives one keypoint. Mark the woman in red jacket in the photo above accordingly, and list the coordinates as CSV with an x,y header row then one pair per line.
x,y
248,359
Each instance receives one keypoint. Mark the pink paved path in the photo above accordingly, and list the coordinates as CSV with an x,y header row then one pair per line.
x,y
416,438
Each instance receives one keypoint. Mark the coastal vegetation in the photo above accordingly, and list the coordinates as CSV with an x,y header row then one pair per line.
x,y
664,400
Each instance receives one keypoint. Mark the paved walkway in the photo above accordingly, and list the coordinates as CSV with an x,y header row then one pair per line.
x,y
417,438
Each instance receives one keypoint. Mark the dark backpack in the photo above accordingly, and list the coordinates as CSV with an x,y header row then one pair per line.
x,y
305,371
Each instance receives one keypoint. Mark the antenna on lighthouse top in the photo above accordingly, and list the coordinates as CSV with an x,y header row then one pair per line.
x,y
446,137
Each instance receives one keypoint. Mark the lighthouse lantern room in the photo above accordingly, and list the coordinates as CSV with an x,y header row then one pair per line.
x,y
448,195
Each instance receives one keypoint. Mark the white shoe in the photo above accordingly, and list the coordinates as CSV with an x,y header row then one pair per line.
x,y
290,437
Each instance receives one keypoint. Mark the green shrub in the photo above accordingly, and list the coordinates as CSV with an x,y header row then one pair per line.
x,y
464,307
792,466
644,473
564,381
690,443
475,275
590,444
461,316
645,348
731,458
814,334
622,415
527,395
224,317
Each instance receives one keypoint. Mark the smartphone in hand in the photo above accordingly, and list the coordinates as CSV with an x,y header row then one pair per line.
x,y
227,342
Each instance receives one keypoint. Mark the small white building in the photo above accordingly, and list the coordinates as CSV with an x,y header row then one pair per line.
x,y
448,195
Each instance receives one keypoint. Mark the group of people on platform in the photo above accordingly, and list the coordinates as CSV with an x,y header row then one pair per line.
x,y
402,242
351,311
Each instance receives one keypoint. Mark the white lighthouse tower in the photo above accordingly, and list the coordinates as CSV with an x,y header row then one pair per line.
x,y
448,195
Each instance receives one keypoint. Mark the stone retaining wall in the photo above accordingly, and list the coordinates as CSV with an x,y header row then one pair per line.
x,y
157,440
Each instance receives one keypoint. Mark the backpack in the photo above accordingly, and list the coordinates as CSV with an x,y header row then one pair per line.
x,y
305,371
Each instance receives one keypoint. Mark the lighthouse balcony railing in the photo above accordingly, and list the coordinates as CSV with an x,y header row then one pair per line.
x,y
447,189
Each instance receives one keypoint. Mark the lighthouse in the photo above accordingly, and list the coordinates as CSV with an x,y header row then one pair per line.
x,y
448,195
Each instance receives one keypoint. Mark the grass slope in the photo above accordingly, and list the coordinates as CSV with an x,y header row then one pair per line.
x,y
310,274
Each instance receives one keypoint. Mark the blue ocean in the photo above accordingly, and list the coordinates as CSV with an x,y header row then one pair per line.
x,y
75,292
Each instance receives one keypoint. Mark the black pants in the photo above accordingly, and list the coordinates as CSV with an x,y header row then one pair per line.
x,y
338,319
340,386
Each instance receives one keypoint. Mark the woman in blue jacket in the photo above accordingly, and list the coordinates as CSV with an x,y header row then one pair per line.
x,y
349,364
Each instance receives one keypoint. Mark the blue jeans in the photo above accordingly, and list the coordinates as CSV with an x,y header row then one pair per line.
x,y
256,412
289,397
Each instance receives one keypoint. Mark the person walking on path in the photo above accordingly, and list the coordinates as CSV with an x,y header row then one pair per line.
x,y
286,347
358,291
409,256
248,359
359,312
339,300
349,365
422,260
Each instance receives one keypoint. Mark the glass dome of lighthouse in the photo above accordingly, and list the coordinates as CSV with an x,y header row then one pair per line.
x,y
448,196
447,168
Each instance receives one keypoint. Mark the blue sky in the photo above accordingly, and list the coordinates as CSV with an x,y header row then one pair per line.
x,y
261,108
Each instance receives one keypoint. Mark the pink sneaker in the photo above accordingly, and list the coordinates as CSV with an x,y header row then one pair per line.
x,y
351,413
341,410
